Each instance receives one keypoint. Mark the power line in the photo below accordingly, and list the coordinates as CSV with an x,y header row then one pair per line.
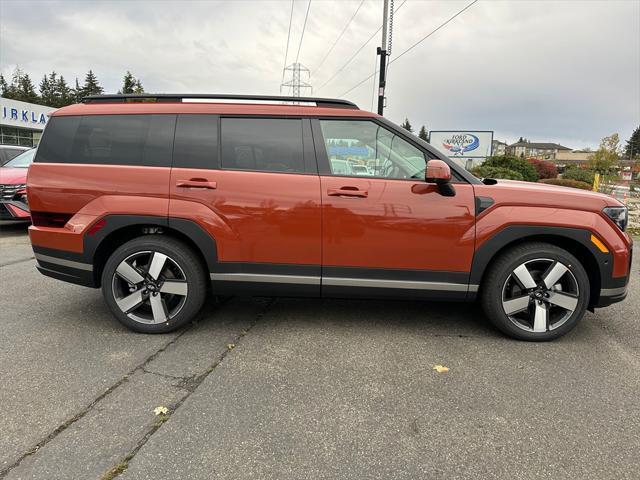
x,y
339,37
304,26
357,51
286,52
412,46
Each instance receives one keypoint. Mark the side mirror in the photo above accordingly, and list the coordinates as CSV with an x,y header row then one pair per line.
x,y
437,172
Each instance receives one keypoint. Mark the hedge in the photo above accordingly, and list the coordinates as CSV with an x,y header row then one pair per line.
x,y
579,174
495,172
563,182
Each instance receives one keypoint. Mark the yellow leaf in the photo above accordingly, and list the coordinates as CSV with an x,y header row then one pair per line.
x,y
161,410
440,368
231,346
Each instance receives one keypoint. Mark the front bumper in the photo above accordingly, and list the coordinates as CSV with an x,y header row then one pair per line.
x,y
614,289
13,210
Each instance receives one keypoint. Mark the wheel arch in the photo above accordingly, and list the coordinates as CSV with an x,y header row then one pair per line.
x,y
576,241
119,229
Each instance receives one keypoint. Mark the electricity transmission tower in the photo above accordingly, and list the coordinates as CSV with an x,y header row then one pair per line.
x,y
296,83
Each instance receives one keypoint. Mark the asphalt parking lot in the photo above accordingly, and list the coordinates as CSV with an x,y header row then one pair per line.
x,y
292,389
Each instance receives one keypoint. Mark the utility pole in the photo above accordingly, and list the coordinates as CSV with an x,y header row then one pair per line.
x,y
382,51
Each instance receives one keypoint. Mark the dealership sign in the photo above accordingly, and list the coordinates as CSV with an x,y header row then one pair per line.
x,y
22,114
462,143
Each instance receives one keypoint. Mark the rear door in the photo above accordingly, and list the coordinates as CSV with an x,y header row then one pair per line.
x,y
385,231
252,183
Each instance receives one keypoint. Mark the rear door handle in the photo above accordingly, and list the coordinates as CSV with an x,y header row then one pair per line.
x,y
197,183
347,192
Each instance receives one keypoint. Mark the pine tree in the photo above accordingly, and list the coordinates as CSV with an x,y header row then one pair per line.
x,y
423,133
128,83
48,92
65,93
138,88
632,148
4,87
407,125
78,92
91,85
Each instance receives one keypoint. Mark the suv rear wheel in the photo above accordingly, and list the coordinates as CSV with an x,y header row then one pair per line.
x,y
154,284
535,291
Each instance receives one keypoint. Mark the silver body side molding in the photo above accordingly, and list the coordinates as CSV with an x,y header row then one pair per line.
x,y
65,263
343,282
265,278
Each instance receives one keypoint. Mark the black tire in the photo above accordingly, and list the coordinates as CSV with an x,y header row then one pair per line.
x,y
502,290
182,266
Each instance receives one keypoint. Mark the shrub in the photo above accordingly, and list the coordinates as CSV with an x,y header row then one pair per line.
x,y
563,182
579,174
496,172
524,168
543,168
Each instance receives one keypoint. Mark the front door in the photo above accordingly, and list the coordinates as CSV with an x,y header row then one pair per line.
x,y
257,194
385,231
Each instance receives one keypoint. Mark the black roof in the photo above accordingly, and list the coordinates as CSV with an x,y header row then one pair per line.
x,y
540,145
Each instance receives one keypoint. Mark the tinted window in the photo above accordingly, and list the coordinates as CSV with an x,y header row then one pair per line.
x,y
363,148
144,140
262,144
196,143
57,140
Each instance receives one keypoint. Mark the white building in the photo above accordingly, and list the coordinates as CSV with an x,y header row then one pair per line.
x,y
22,123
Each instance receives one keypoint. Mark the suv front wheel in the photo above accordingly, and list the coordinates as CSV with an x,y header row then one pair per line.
x,y
535,291
154,284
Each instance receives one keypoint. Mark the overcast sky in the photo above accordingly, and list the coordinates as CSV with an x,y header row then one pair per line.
x,y
560,71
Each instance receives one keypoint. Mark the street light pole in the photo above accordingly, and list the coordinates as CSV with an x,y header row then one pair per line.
x,y
382,51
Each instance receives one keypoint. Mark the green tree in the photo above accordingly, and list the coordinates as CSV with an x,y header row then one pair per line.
x,y
128,83
632,148
21,87
91,85
78,93
407,125
3,86
603,160
47,88
138,88
423,133
65,93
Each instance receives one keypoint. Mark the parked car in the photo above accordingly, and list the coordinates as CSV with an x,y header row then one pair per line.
x,y
13,188
9,152
161,201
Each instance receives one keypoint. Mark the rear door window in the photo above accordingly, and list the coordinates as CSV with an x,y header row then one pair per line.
x,y
262,144
196,143
141,140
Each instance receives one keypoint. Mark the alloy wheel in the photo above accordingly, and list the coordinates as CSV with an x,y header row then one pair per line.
x,y
540,295
149,287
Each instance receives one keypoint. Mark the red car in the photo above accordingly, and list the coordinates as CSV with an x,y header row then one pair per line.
x,y
159,200
13,188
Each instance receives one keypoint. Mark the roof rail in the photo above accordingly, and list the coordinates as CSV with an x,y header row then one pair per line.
x,y
180,97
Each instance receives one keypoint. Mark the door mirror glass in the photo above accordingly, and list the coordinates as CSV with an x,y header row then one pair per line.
x,y
437,172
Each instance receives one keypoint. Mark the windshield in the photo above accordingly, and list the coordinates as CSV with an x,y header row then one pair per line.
x,y
21,161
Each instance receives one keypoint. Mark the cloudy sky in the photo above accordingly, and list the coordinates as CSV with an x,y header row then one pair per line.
x,y
562,71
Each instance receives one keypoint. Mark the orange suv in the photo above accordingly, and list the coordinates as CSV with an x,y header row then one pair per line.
x,y
161,199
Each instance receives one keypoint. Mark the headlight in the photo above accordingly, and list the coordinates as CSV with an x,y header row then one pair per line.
x,y
619,215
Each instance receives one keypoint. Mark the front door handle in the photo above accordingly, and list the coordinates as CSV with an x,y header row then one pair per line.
x,y
347,192
197,183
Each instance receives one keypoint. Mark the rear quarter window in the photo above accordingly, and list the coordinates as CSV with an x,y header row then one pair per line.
x,y
140,140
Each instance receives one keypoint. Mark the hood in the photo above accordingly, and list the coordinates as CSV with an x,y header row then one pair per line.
x,y
541,194
12,176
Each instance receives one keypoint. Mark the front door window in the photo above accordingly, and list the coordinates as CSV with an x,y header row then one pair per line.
x,y
364,148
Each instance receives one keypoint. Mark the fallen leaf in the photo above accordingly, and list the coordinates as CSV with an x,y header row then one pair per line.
x,y
231,346
440,368
161,410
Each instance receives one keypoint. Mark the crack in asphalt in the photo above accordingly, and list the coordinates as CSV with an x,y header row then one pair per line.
x,y
13,262
190,384
73,419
